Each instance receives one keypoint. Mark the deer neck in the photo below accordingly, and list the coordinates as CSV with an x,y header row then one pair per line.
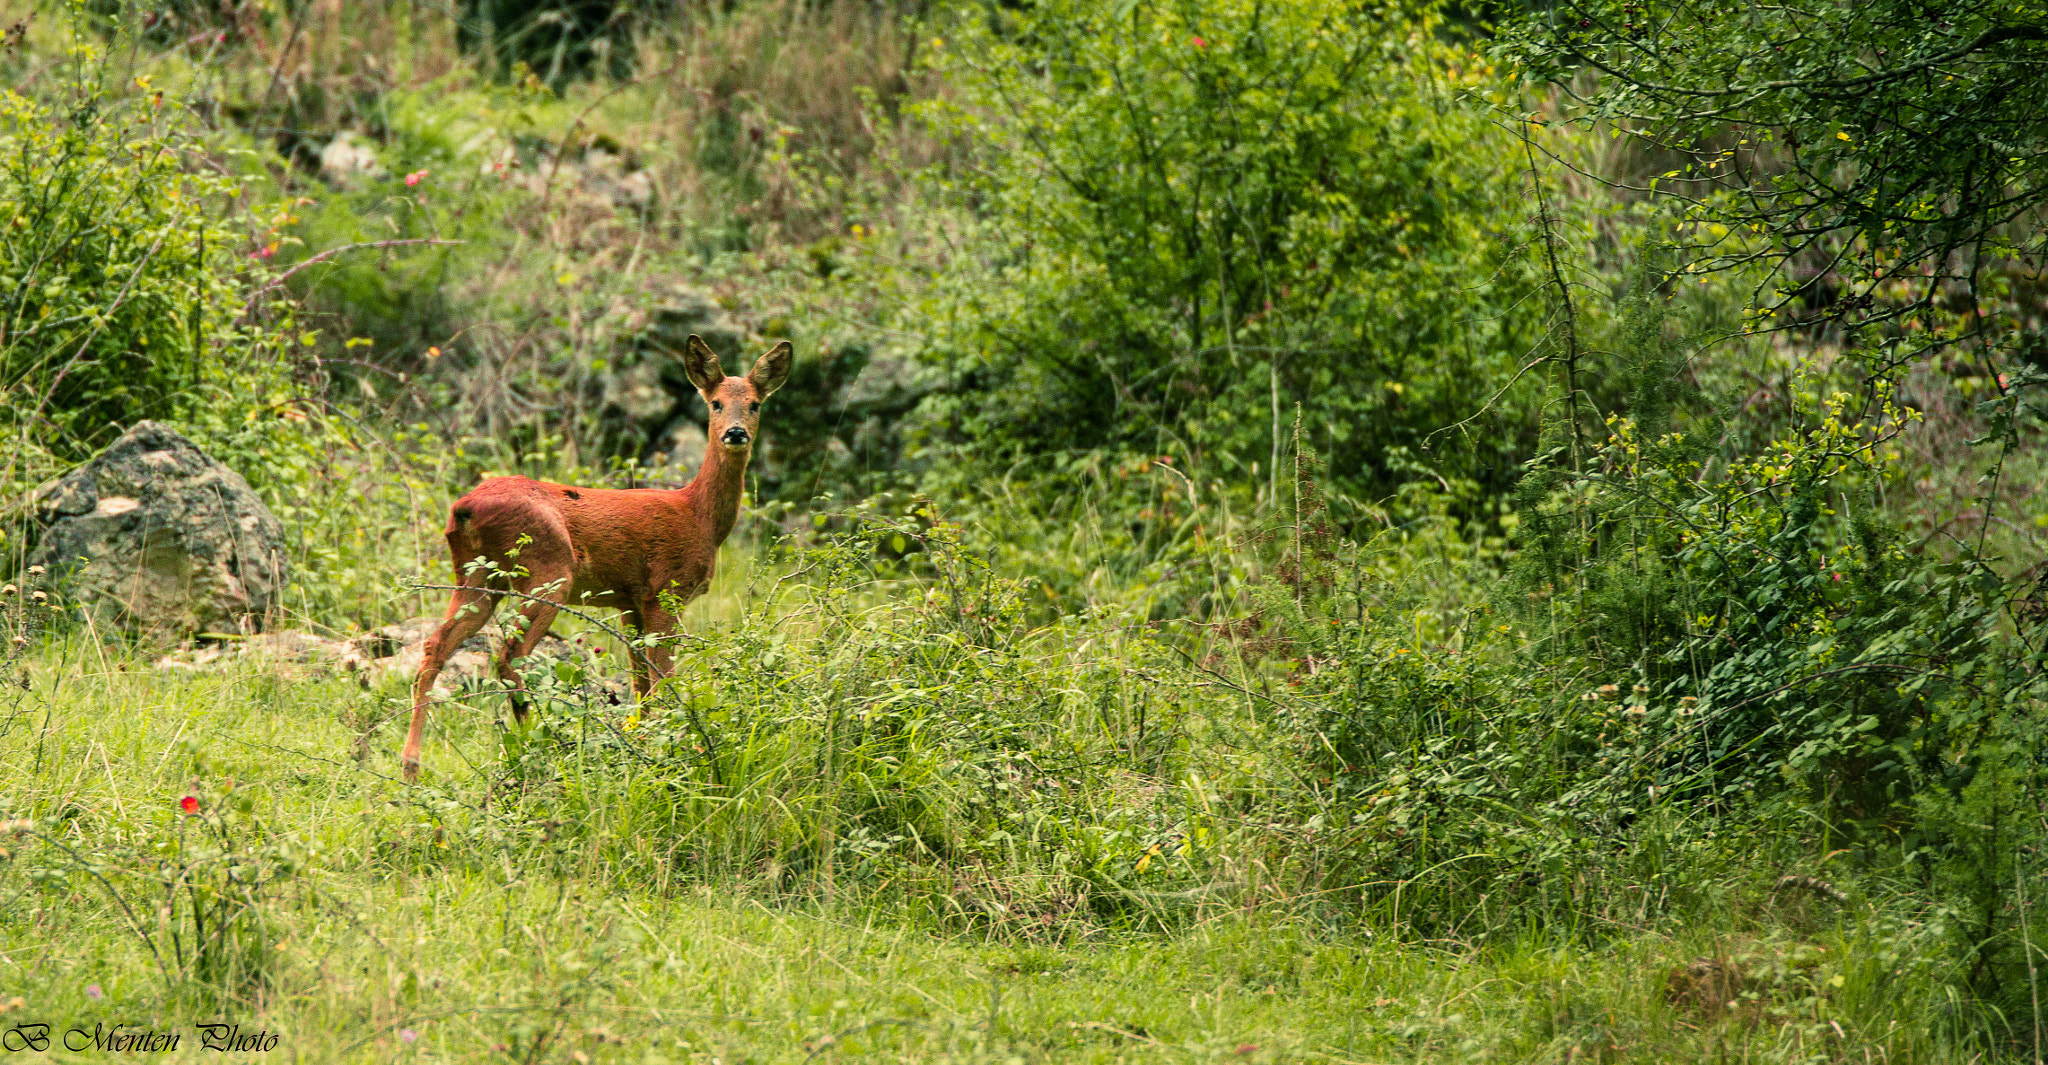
x,y
714,496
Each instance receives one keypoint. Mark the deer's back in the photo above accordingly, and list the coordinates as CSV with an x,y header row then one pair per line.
x,y
610,540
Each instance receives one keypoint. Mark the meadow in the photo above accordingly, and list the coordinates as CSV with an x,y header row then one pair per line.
x,y
546,898
1298,531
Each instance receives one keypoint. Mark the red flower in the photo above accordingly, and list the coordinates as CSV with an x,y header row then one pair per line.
x,y
189,804
414,177
1198,42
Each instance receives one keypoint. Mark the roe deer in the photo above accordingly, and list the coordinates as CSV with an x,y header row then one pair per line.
x,y
599,546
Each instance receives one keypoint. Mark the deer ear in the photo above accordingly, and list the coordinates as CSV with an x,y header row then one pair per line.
x,y
772,369
700,363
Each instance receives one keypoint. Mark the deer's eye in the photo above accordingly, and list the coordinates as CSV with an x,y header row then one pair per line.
x,y
716,405
753,408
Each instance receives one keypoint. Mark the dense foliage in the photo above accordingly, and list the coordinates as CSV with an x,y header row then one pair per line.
x,y
1890,156
1200,215
124,288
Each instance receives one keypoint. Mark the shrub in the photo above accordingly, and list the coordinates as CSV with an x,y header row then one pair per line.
x,y
1200,214
1769,589
124,284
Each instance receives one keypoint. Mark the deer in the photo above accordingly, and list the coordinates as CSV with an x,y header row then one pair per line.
x,y
623,549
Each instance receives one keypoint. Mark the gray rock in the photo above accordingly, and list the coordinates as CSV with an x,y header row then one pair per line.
x,y
399,649
890,381
649,408
682,310
372,657
350,156
595,177
640,395
155,537
605,176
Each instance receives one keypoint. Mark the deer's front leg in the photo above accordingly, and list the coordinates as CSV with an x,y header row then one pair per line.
x,y
650,664
468,609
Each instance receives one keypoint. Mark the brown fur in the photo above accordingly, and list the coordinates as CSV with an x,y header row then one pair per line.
x,y
599,546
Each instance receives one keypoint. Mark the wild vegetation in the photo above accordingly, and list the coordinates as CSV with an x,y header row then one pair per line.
x,y
1298,531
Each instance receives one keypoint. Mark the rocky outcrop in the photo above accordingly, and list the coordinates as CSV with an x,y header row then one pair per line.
x,y
374,656
157,538
399,649
609,179
650,408
836,417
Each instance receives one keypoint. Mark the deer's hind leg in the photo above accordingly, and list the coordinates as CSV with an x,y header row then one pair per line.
x,y
536,614
468,609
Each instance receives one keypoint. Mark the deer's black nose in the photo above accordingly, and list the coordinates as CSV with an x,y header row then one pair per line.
x,y
736,436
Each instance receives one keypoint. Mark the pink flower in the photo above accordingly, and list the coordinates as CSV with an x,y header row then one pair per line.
x,y
189,804
407,1035
1198,42
93,991
415,178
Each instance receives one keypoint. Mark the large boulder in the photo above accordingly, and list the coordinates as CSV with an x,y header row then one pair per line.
x,y
156,537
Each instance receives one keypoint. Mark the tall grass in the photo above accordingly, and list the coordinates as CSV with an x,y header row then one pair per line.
x,y
881,809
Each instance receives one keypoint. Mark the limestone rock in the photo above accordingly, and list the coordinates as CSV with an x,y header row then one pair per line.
x,y
640,394
155,537
682,310
371,657
399,649
605,176
291,653
348,157
682,447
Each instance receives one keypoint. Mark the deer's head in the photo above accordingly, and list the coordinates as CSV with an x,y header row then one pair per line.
x,y
735,402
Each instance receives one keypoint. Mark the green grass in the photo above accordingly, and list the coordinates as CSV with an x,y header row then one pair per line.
x,y
472,915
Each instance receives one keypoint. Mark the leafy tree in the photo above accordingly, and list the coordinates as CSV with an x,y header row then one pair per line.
x,y
1894,155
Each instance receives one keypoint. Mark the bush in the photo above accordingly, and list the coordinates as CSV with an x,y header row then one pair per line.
x,y
1769,589
1200,214
125,286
